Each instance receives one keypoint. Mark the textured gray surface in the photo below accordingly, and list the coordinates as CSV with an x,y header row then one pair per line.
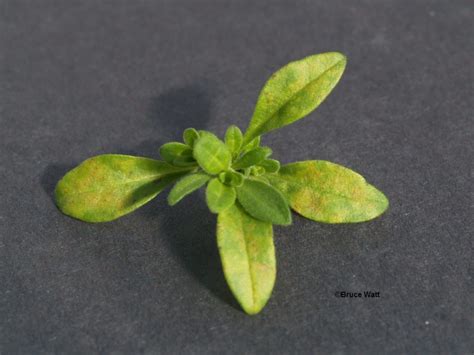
x,y
85,78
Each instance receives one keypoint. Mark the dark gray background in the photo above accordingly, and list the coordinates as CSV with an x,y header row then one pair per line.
x,y
85,78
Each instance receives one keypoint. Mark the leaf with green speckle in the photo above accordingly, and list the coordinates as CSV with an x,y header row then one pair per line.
x,y
185,186
328,192
106,187
219,197
248,257
211,153
264,202
294,91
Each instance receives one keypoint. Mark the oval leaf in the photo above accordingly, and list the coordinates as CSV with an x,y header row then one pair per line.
x,y
211,153
254,143
231,178
248,257
185,186
190,135
173,150
294,91
219,197
263,202
234,139
252,157
108,186
328,192
270,165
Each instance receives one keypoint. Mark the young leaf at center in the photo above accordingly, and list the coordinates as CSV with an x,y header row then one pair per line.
x,y
211,153
264,202
219,197
185,186
252,157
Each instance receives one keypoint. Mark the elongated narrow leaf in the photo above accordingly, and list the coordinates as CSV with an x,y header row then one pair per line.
x,y
185,186
190,135
263,202
234,139
248,257
294,91
328,192
173,150
211,153
219,197
108,186
252,157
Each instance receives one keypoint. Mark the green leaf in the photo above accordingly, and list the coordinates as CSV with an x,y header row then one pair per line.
x,y
231,178
185,186
219,197
248,257
211,153
261,178
263,202
106,187
294,91
257,171
254,143
173,150
270,165
252,157
328,192
233,139
184,161
190,135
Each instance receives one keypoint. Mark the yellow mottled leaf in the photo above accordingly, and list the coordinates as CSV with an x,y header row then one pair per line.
x,y
248,257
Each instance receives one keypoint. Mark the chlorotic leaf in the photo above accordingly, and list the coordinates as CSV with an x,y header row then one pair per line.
x,y
106,187
270,165
211,153
190,135
252,157
294,91
233,139
173,150
263,202
328,192
248,257
185,186
219,197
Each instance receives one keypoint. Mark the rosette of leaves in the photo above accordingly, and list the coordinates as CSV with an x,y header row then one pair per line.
x,y
244,185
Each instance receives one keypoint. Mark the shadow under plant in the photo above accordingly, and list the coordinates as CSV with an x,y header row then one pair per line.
x,y
189,228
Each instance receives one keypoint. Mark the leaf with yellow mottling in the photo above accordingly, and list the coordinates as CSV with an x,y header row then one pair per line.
x,y
248,257
328,192
106,187
294,91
